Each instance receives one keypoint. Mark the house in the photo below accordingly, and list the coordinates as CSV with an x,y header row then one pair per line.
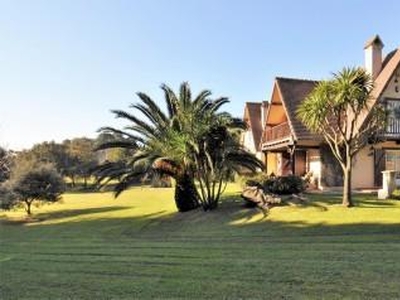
x,y
254,117
289,148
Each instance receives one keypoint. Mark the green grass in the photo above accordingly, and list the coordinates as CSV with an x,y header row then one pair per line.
x,y
92,246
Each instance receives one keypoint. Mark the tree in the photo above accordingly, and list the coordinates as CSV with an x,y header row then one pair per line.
x,y
335,109
5,164
41,184
52,153
175,143
112,154
217,154
8,198
83,159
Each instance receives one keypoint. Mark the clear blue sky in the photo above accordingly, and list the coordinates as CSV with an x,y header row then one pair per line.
x,y
65,64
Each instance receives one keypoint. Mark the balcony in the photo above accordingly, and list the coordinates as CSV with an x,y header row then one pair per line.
x,y
392,128
276,133
393,120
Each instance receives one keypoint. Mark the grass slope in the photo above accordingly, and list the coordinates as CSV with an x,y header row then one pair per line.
x,y
92,246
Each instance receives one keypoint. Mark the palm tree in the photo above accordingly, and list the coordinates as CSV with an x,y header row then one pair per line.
x,y
184,143
218,155
335,109
160,143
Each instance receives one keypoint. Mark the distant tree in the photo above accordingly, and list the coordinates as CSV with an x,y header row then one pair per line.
x,y
41,184
83,158
5,164
112,154
8,198
52,153
73,159
335,109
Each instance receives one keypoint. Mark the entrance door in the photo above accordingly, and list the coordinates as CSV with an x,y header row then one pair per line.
x,y
300,166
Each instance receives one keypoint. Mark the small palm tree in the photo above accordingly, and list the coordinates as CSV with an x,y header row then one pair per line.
x,y
219,156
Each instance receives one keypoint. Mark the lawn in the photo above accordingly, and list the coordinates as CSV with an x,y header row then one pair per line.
x,y
92,246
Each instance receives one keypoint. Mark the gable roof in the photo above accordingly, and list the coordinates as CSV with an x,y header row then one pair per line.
x,y
253,116
389,66
293,92
387,72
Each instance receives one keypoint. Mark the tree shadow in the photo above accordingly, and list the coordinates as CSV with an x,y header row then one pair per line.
x,y
57,215
231,220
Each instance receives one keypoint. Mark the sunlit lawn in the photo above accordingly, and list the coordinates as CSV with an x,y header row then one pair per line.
x,y
92,246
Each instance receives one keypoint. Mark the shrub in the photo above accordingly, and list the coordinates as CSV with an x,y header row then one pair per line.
x,y
284,185
396,194
279,185
253,180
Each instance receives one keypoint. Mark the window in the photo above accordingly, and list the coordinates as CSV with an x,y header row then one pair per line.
x,y
393,161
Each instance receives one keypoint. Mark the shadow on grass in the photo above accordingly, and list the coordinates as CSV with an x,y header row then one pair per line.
x,y
360,200
56,215
230,222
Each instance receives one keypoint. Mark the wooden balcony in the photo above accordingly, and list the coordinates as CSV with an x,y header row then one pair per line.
x,y
276,133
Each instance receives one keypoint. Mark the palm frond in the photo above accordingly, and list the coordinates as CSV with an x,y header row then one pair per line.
x,y
139,123
126,144
152,109
171,100
185,95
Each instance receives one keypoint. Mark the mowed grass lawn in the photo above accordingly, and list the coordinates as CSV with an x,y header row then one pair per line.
x,y
92,246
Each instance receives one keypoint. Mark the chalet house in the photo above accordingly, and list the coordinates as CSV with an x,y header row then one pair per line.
x,y
254,116
289,148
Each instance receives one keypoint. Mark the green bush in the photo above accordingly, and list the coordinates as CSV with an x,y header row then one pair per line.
x,y
279,185
284,185
396,194
253,180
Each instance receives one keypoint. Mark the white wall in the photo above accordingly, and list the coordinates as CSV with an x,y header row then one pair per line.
x,y
390,91
314,166
249,142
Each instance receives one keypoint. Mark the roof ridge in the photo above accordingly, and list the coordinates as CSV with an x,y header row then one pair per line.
x,y
295,79
254,102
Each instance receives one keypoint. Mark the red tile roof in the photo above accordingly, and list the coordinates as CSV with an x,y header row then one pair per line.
x,y
293,92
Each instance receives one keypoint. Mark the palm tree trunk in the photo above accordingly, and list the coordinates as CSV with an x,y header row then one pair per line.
x,y
186,196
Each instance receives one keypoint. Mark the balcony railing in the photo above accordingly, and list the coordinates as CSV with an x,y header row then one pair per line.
x,y
393,126
277,132
393,120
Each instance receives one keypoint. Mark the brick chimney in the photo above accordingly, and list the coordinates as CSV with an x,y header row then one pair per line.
x,y
373,56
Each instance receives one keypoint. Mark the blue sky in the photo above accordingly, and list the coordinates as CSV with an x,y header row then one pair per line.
x,y
65,64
